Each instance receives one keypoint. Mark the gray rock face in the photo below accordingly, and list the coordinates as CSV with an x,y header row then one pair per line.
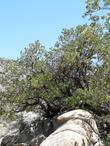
x,y
74,128
78,128
3,63
29,128
7,127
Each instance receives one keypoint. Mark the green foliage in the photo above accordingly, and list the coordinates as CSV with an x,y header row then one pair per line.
x,y
107,140
98,12
76,69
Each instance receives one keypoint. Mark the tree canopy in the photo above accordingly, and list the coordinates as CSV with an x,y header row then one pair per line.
x,y
74,73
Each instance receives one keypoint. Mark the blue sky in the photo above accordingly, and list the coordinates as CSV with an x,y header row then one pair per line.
x,y
25,21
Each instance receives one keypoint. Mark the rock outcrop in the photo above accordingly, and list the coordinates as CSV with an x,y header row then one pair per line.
x,y
78,128
74,128
7,127
29,129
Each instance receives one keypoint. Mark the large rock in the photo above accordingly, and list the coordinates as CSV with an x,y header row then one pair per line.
x,y
78,128
29,129
7,127
74,128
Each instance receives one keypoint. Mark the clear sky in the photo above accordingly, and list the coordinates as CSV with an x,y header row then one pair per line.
x,y
25,21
